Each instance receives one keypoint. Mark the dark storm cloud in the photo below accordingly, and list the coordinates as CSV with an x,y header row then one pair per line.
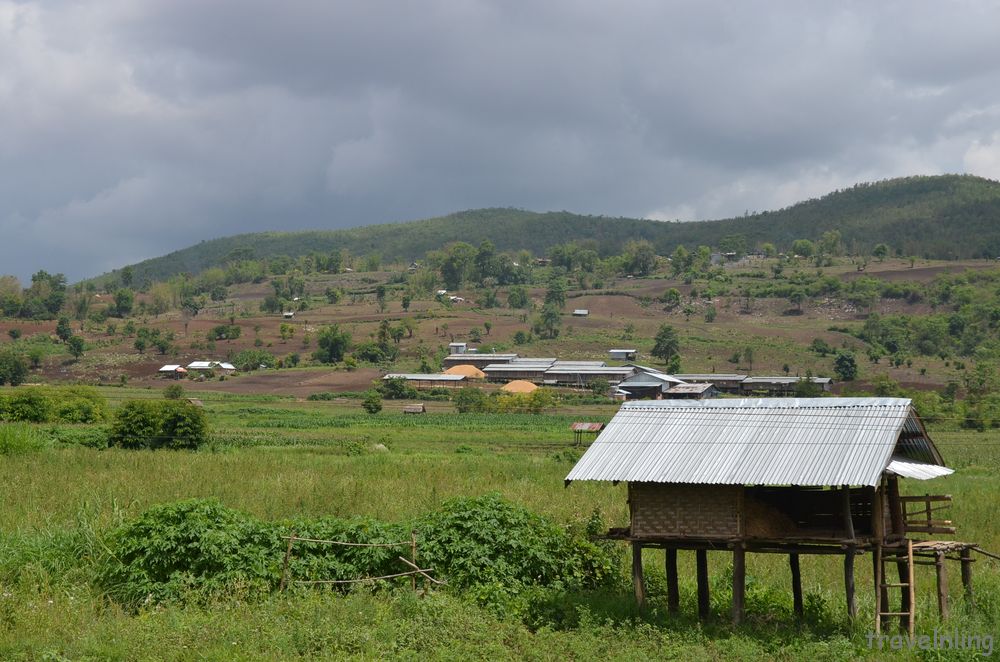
x,y
129,129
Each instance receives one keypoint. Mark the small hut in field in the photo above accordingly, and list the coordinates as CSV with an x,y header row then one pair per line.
x,y
793,476
519,386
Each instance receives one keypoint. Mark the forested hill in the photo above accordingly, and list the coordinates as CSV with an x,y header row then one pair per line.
x,y
948,216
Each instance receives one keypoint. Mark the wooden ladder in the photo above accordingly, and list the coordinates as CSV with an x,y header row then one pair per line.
x,y
908,596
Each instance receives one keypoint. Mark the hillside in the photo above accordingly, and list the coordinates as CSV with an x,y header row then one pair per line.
x,y
930,217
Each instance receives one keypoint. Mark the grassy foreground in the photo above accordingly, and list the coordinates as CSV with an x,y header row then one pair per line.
x,y
283,459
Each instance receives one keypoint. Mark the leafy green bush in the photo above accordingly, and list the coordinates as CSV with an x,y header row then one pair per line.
x,y
252,359
197,549
490,541
471,399
67,404
173,392
13,368
158,424
88,436
396,388
25,404
17,438
78,404
189,549
372,402
182,425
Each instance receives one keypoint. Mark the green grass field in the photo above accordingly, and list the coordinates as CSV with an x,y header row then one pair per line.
x,y
277,458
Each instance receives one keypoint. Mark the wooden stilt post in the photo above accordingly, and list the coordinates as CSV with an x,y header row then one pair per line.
x,y
881,591
852,608
673,596
637,580
942,584
966,557
739,582
701,557
413,559
793,563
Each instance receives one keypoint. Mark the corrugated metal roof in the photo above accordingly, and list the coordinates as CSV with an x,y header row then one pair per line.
x,y
710,377
918,470
425,377
756,441
651,379
690,388
784,380
589,370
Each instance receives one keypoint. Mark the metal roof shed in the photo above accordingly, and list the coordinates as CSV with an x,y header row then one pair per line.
x,y
770,475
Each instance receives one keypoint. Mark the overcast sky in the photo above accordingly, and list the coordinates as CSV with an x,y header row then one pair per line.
x,y
130,128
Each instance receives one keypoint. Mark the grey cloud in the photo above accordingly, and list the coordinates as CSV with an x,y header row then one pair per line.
x,y
131,129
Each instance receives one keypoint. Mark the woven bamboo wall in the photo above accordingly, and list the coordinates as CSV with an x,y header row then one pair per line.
x,y
704,511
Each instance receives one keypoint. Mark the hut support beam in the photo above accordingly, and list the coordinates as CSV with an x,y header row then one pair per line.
x,y
637,578
701,557
903,570
673,596
966,559
739,582
852,608
942,584
793,563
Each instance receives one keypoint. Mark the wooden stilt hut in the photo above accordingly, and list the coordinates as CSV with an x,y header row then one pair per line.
x,y
783,476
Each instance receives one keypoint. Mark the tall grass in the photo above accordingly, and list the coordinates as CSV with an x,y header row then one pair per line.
x,y
56,505
19,438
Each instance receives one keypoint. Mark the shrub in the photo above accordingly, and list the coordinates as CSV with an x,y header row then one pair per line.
x,y
13,368
29,405
78,404
252,359
158,424
88,436
173,392
396,388
470,399
487,541
17,438
189,550
372,402
182,425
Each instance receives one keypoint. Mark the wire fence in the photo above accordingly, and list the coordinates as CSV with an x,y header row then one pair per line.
x,y
413,572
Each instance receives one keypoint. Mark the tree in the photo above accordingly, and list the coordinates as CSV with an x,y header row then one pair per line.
x,y
666,344
333,344
470,399
555,295
63,329
548,321
672,298
124,300
372,402
803,247
796,297
13,368
517,297
380,292
640,257
76,346
406,302
748,357
880,251
846,366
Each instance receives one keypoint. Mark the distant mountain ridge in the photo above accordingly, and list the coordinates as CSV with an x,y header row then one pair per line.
x,y
941,217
